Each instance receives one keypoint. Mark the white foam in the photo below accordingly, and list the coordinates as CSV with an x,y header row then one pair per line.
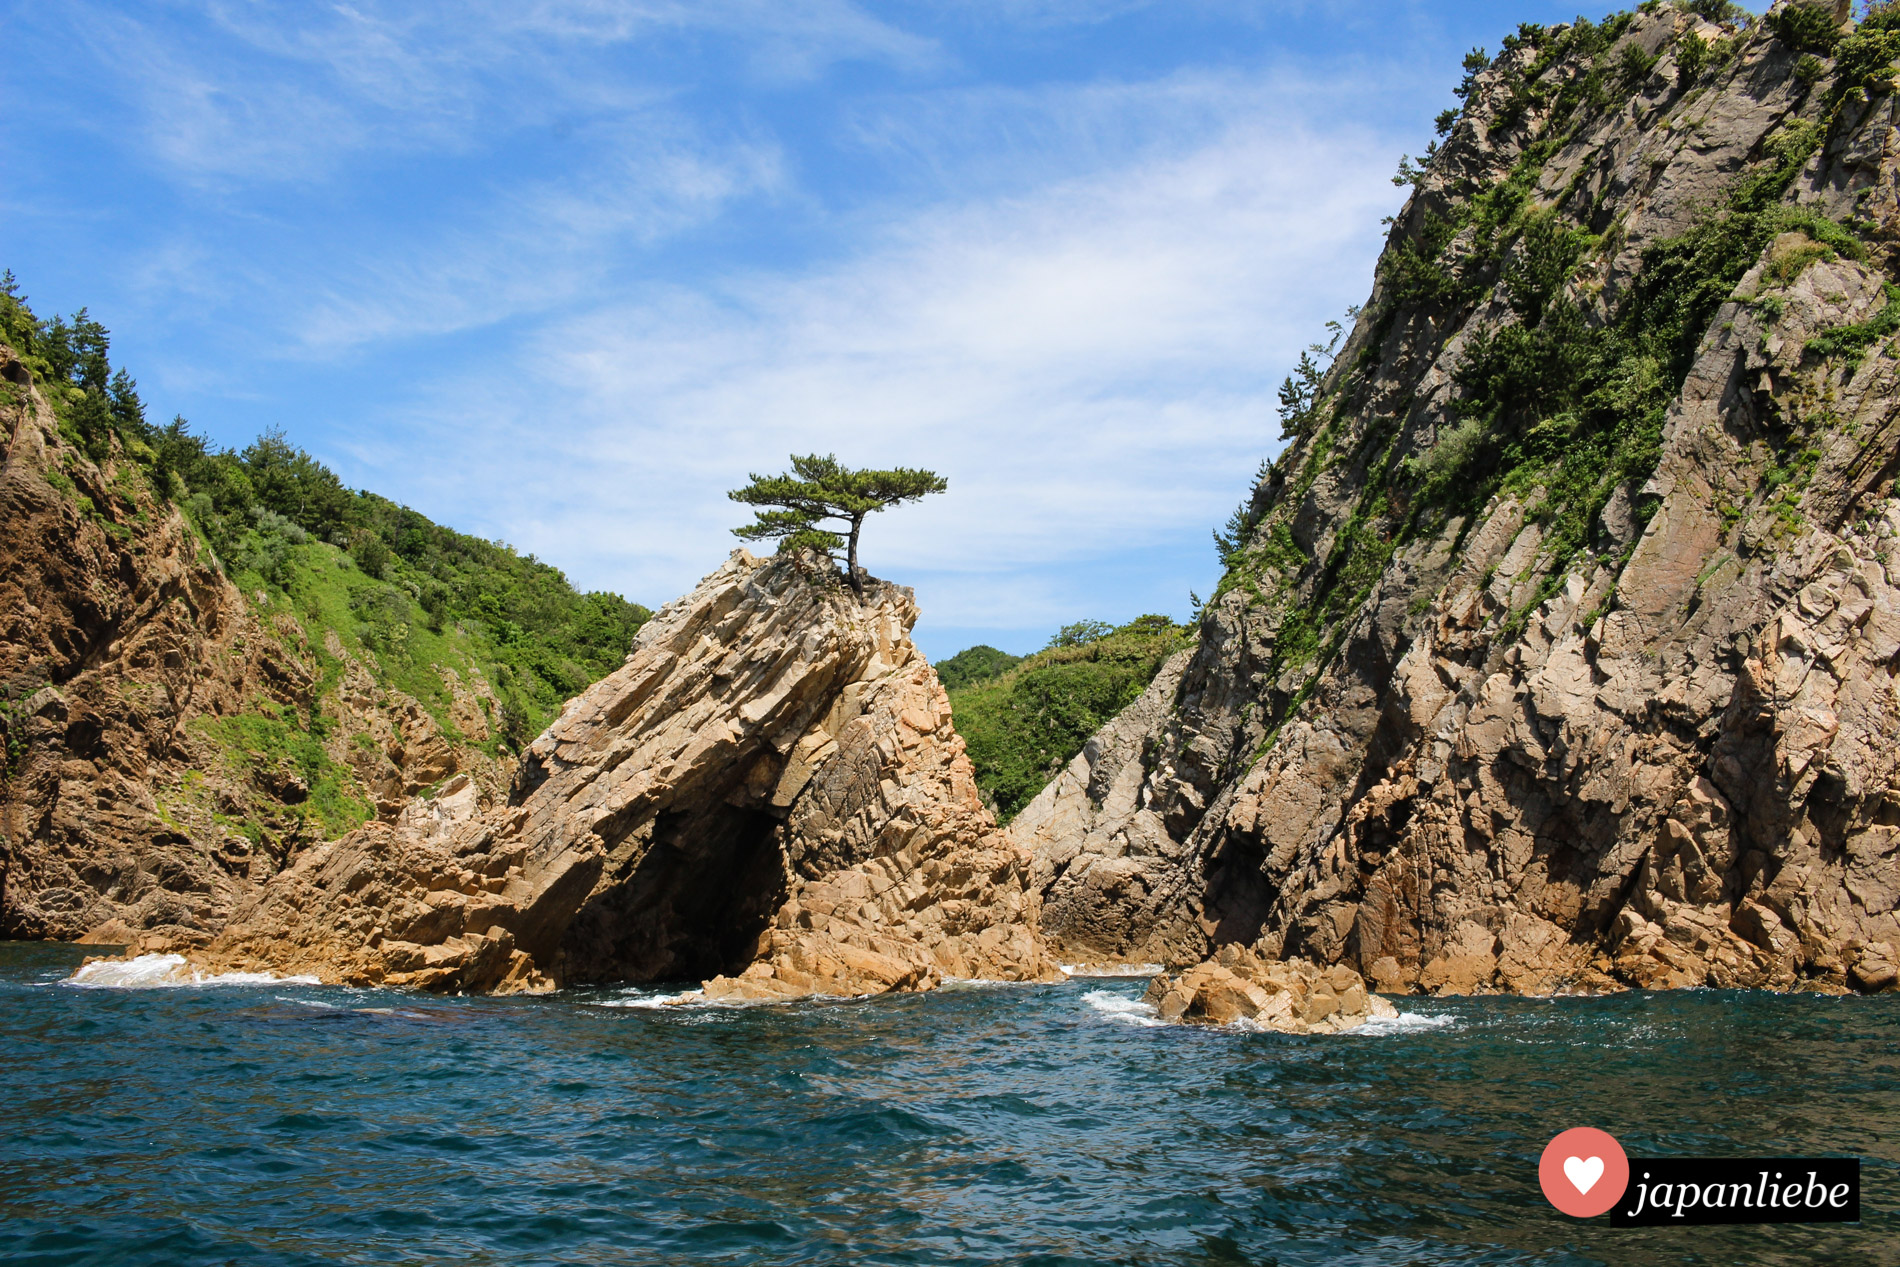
x,y
1108,970
655,1002
328,1007
696,1001
1129,1011
1403,1023
165,972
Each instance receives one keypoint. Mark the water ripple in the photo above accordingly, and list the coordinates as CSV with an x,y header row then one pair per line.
x,y
1060,1124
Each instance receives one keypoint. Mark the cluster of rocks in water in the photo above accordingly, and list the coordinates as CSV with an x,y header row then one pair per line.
x,y
1293,996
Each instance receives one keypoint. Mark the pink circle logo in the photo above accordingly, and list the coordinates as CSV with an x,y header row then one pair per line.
x,y
1583,1172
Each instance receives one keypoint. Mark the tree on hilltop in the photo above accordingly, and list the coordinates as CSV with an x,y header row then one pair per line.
x,y
819,491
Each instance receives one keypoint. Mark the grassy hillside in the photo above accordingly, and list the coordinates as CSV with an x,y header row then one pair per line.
x,y
371,586
1028,719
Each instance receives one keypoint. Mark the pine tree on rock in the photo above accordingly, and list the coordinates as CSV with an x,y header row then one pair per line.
x,y
819,491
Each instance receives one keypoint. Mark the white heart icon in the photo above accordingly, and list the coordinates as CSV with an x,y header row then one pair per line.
x,y
1583,1172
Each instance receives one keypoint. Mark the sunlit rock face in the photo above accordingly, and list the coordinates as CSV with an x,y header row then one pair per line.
x,y
1576,735
769,788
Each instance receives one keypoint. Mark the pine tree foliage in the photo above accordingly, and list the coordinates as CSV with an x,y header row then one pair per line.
x,y
820,491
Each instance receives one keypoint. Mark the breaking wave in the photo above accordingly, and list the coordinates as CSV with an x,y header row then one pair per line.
x,y
1129,1011
1403,1023
1110,970
164,972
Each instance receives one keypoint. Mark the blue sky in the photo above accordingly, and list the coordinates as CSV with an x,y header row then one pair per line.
x,y
561,272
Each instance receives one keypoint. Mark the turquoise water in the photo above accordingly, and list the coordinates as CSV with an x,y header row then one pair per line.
x,y
295,1124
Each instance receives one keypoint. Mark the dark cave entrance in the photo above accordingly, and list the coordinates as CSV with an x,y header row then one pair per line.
x,y
692,906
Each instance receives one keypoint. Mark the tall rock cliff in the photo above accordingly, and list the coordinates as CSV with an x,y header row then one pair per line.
x,y
166,740
769,787
1558,649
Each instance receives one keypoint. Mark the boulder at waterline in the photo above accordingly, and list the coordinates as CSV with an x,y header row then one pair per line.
x,y
1293,996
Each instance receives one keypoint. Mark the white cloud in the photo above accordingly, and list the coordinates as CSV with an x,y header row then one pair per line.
x,y
1091,363
535,249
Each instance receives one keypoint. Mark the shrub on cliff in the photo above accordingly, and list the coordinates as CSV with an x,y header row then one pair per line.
x,y
1807,26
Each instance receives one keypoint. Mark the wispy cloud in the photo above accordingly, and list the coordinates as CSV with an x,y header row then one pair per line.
x,y
257,91
531,250
1091,364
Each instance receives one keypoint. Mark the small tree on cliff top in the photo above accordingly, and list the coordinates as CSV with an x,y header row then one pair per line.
x,y
819,491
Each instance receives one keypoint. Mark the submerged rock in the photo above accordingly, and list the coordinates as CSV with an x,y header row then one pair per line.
x,y
769,787
1292,996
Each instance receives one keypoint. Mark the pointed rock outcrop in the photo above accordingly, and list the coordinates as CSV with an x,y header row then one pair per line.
x,y
769,789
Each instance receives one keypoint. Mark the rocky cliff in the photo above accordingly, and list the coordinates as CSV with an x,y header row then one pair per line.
x,y
1558,648
170,740
769,788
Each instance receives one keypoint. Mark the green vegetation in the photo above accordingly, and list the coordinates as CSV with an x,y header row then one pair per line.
x,y
1863,59
1850,343
1022,726
820,491
1807,26
382,577
976,664
1560,406
274,748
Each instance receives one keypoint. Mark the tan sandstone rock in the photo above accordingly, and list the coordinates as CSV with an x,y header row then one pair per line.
x,y
1292,996
768,792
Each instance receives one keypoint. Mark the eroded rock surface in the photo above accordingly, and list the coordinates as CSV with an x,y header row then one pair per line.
x,y
1478,756
1249,984
127,657
769,789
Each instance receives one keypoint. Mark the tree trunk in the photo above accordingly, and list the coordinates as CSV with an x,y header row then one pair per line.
x,y
857,578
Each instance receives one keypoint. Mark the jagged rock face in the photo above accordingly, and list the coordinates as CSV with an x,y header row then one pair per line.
x,y
115,635
1669,759
1114,878
120,639
769,787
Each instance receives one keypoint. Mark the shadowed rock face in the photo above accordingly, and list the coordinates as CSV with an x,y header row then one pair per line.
x,y
1669,759
769,787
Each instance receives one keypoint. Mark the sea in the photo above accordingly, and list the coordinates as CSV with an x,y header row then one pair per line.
x,y
150,1118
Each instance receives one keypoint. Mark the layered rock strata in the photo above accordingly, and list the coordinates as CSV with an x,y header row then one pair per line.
x,y
1249,984
769,788
1476,753
123,649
